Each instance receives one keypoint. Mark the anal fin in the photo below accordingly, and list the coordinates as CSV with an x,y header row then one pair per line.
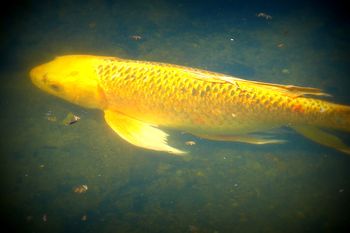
x,y
139,133
241,138
323,138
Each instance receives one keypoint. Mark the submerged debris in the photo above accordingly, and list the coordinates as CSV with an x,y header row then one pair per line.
x,y
70,119
80,188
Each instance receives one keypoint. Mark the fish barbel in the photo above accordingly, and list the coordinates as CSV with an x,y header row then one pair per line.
x,y
140,98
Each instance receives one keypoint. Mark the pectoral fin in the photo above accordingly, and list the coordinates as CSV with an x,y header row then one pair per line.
x,y
242,138
139,133
323,138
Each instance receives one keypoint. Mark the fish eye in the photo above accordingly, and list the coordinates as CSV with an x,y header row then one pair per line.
x,y
55,87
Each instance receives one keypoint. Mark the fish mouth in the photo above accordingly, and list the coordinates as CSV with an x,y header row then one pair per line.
x,y
33,74
37,75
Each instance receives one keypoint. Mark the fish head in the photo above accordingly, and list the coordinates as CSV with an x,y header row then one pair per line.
x,y
71,77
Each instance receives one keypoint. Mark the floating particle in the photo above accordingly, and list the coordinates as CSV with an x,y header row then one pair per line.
x,y
44,218
135,37
190,143
84,217
50,116
264,15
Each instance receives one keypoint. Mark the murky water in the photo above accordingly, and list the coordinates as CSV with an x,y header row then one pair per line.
x,y
220,187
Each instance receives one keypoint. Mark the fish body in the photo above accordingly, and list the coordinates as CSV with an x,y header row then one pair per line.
x,y
140,97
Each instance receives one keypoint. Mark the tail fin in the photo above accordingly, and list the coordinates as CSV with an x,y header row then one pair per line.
x,y
323,138
336,117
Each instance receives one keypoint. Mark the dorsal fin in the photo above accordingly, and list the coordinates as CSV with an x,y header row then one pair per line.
x,y
290,90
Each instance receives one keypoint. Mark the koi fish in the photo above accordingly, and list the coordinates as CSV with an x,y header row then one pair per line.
x,y
140,99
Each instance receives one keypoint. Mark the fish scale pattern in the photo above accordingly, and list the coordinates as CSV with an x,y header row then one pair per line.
x,y
199,100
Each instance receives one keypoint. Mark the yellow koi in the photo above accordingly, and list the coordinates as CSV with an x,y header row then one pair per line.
x,y
139,98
